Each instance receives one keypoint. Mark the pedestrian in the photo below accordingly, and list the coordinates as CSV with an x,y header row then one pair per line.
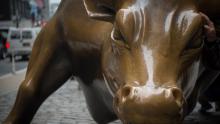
x,y
212,44
211,59
33,12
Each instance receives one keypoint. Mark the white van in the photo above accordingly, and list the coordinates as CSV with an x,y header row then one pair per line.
x,y
21,41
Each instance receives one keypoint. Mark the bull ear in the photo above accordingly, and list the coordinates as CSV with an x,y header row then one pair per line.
x,y
100,9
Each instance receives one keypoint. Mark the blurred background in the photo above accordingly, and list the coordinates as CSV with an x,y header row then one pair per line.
x,y
26,13
20,22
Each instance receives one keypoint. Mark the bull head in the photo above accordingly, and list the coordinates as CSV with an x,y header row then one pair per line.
x,y
151,60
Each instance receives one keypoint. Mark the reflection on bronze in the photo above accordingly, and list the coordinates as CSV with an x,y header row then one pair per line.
x,y
136,60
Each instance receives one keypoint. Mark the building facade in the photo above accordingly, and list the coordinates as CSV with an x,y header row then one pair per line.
x,y
13,12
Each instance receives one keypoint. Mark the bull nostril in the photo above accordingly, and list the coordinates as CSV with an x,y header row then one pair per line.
x,y
126,91
178,97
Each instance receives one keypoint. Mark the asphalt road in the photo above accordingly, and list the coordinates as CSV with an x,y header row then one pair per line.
x,y
6,65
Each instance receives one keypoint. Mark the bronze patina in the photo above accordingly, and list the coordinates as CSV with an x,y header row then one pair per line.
x,y
136,60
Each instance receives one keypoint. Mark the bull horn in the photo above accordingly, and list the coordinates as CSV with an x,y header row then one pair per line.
x,y
100,9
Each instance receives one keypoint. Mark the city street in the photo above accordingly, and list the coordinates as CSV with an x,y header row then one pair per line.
x,y
67,105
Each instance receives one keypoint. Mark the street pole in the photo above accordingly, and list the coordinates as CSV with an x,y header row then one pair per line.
x,y
17,14
13,62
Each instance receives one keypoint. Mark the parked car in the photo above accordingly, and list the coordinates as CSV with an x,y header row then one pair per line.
x,y
4,45
21,41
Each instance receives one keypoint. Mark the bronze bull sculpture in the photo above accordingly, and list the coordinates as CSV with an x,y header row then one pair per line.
x,y
136,60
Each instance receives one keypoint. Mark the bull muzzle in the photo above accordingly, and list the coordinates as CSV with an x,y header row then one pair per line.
x,y
149,105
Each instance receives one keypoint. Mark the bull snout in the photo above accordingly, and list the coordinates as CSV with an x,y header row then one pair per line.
x,y
149,104
168,94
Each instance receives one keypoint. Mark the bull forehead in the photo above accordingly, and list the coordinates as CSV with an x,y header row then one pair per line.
x,y
156,20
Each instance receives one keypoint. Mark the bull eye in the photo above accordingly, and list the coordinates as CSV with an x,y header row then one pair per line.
x,y
117,35
195,42
118,39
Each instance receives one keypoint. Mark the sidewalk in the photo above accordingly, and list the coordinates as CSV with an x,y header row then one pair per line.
x,y
11,82
67,105
25,23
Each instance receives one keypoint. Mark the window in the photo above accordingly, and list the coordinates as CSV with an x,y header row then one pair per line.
x,y
15,35
26,35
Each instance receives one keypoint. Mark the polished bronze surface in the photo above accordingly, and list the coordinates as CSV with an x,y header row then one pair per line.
x,y
136,60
